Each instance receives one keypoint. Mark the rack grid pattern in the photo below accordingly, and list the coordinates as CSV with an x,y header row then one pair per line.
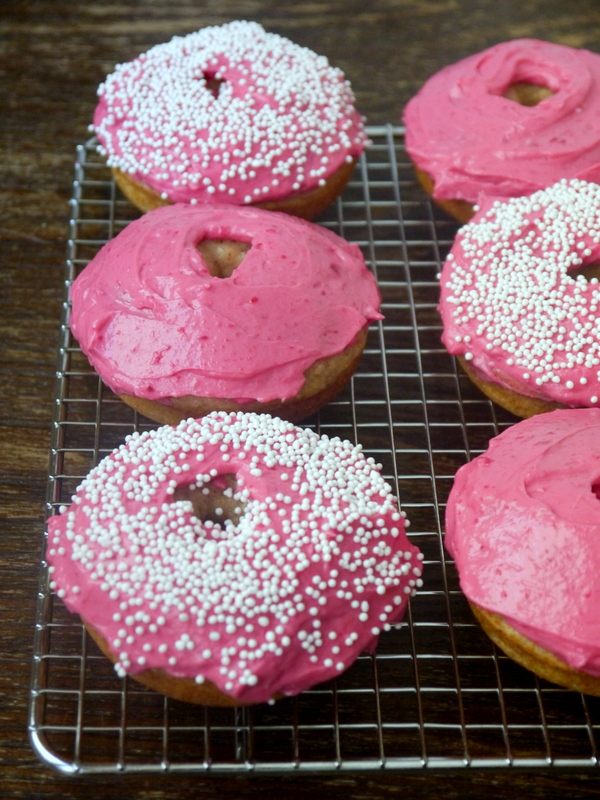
x,y
436,693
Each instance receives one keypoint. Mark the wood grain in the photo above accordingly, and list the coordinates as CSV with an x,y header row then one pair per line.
x,y
52,57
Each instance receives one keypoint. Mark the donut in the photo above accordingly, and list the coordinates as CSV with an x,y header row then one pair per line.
x,y
519,299
522,524
233,559
230,114
176,335
506,122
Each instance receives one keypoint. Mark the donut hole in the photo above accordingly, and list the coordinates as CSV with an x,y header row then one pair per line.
x,y
214,503
591,272
222,256
527,94
596,489
213,84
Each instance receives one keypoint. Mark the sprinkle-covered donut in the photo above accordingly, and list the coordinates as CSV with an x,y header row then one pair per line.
x,y
176,337
506,122
230,114
235,558
522,523
516,304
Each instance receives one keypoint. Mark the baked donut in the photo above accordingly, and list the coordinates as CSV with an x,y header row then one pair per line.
x,y
518,301
233,559
230,115
522,524
506,122
177,330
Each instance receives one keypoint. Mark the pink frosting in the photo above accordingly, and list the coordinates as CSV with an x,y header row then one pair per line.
x,y
523,523
281,121
510,303
316,567
471,140
154,323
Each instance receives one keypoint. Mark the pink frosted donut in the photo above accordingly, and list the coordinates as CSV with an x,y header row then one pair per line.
x,y
158,326
469,138
522,523
281,583
228,114
513,310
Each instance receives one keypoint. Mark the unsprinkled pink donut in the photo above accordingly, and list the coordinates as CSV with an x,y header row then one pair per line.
x,y
522,524
506,122
280,334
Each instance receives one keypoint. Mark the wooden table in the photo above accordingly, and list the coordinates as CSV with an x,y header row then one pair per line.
x,y
53,56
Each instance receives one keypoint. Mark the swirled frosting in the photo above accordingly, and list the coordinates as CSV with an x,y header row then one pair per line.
x,y
523,522
316,567
510,303
156,324
228,114
471,140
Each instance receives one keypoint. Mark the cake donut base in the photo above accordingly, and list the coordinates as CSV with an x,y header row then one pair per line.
x,y
518,404
184,689
533,657
306,205
324,380
461,210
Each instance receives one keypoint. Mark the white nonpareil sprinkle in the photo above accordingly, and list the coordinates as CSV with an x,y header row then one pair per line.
x,y
250,590
282,113
508,289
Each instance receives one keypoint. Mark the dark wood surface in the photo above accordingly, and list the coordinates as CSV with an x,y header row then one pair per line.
x,y
52,57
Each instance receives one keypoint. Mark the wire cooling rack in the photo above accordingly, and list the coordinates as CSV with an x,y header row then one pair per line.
x,y
436,693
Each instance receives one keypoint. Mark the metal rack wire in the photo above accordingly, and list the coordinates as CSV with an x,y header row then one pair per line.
x,y
436,693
